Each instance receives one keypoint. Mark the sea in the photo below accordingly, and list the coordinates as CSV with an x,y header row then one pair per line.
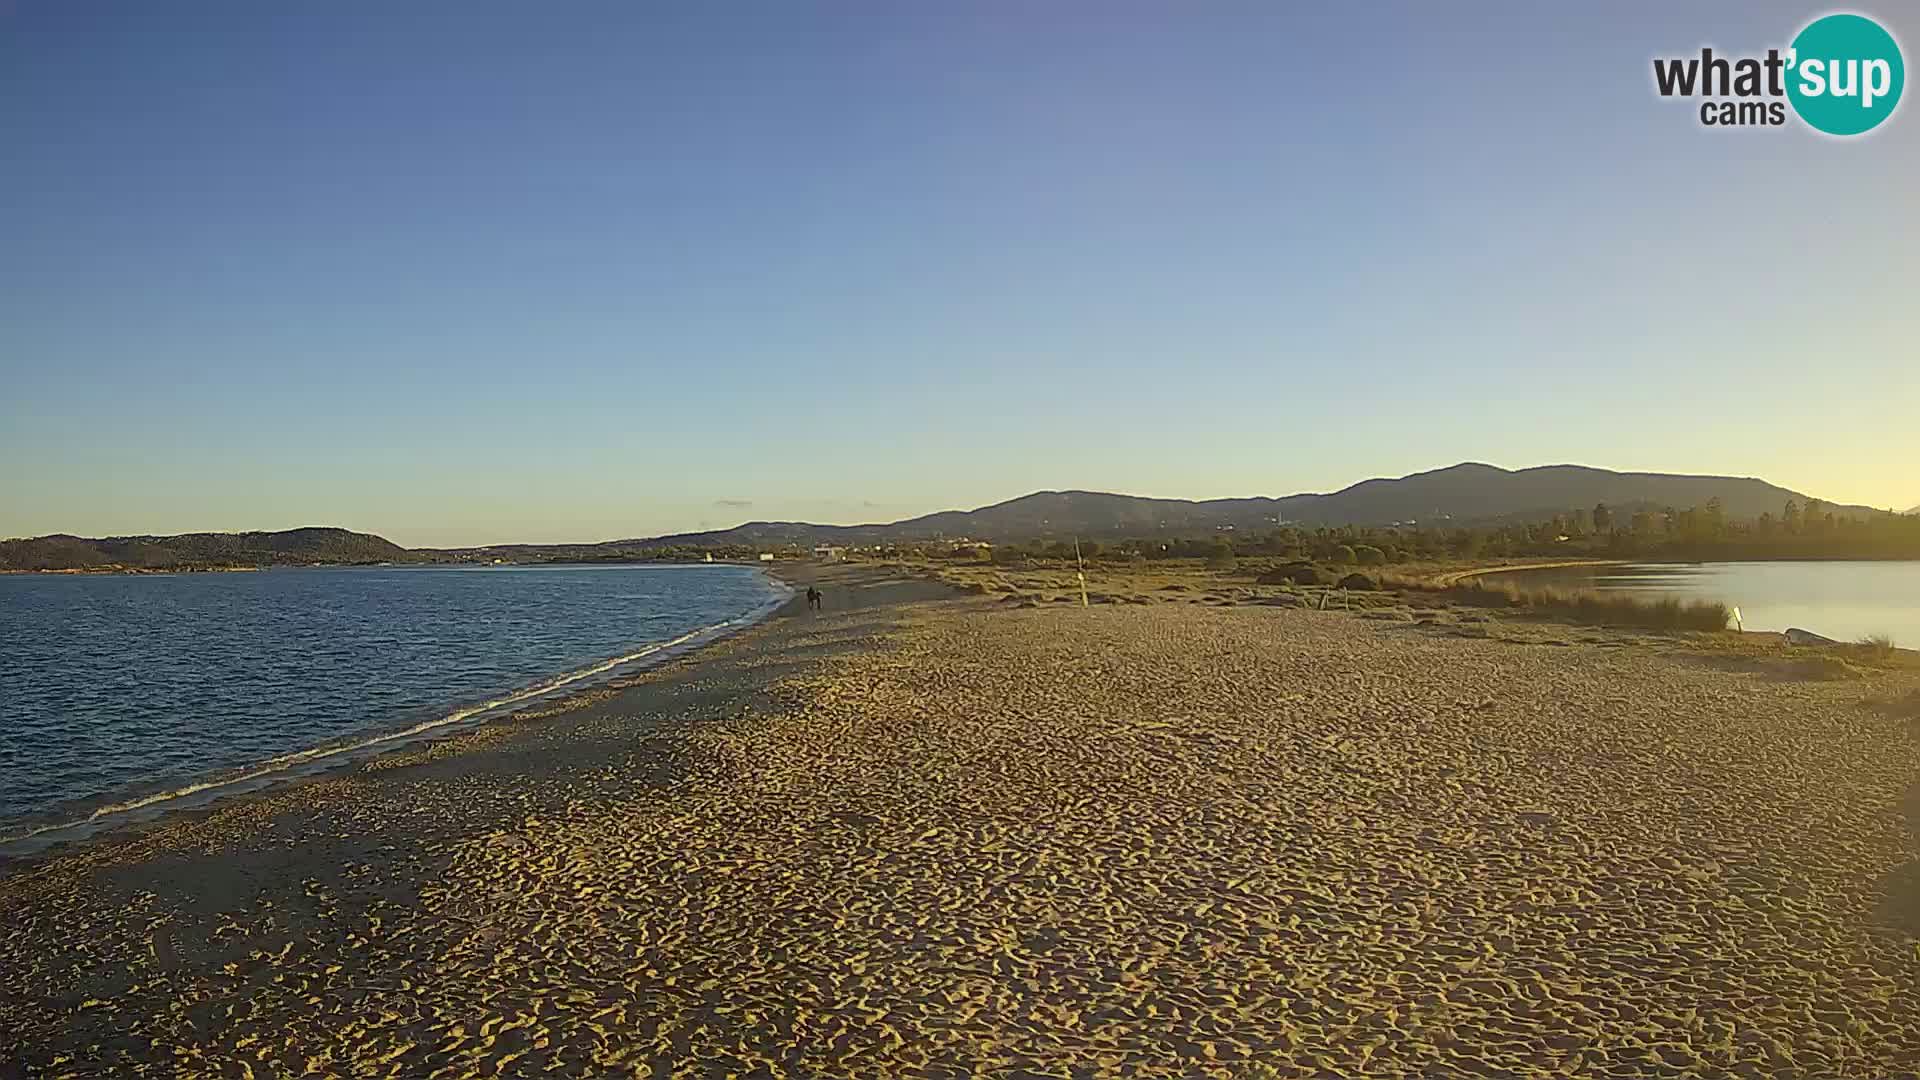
x,y
124,696
1843,600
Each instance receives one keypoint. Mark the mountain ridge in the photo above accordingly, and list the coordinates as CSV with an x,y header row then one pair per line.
x,y
1463,494
1466,493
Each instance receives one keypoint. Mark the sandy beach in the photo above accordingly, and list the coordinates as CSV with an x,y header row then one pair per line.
x,y
936,836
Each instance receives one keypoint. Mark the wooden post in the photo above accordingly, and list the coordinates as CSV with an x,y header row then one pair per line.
x,y
1081,573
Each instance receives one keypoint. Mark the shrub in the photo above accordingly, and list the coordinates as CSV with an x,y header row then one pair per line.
x,y
1221,557
1368,555
1823,669
1344,555
1880,646
1298,573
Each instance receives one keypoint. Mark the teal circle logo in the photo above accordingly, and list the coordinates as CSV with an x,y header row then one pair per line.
x,y
1845,74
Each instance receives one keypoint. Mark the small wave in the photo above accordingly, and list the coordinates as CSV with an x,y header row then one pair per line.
x,y
286,762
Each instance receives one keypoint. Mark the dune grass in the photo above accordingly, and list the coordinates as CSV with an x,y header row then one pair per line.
x,y
1580,605
1574,605
1822,668
1878,645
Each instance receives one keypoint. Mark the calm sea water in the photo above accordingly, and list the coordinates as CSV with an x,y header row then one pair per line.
x,y
119,690
1842,600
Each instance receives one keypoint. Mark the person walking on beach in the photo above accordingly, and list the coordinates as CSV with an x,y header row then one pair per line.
x,y
813,598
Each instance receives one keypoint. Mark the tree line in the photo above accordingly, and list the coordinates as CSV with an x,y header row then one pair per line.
x,y
1813,530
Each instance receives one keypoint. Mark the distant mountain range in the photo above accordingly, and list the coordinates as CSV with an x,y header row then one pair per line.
x,y
1461,494
292,547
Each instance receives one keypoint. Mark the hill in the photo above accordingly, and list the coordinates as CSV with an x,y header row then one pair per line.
x,y
291,547
1467,494
1461,494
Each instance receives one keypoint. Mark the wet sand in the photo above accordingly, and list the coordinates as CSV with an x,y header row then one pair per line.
x,y
939,837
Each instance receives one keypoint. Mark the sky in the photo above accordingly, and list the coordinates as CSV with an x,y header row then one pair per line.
x,y
478,272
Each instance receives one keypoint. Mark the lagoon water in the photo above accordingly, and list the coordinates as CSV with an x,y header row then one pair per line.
x,y
117,690
1842,600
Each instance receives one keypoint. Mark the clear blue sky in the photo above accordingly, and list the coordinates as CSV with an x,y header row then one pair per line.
x,y
480,271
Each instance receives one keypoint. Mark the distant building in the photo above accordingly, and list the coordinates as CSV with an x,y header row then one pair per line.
x,y
766,556
830,553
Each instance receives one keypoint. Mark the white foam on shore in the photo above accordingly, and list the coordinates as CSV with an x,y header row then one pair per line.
x,y
286,762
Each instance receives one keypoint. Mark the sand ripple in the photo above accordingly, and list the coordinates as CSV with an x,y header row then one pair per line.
x,y
1130,841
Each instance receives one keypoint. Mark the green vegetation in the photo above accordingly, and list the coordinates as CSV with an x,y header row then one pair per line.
x,y
1295,573
202,551
1163,530
1438,502
333,547
1813,531
1221,557
1701,533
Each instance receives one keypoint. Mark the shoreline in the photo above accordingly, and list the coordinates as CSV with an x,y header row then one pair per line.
x,y
139,570
1455,577
465,564
30,841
